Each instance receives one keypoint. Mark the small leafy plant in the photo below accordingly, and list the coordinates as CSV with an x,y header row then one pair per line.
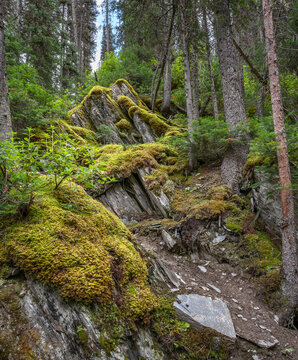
x,y
23,162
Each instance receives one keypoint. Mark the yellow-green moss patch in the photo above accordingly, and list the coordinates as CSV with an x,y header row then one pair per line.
x,y
119,82
268,257
83,135
80,249
124,125
252,162
121,162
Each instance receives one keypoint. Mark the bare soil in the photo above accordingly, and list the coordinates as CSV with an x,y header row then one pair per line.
x,y
253,320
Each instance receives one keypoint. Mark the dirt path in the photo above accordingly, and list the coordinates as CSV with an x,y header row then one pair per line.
x,y
253,320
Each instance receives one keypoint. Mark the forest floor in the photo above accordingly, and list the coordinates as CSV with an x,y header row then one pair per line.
x,y
253,320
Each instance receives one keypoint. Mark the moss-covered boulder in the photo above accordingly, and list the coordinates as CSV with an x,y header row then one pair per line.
x,y
72,243
119,115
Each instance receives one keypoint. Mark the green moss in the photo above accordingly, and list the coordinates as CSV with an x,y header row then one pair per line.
x,y
120,82
123,124
126,102
268,257
139,303
83,135
122,162
76,252
235,224
220,193
97,91
252,162
159,126
82,335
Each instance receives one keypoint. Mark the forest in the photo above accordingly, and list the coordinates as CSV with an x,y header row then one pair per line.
x,y
148,179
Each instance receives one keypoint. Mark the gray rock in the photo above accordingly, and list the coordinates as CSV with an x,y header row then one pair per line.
x,y
54,324
214,288
144,129
219,239
202,268
267,344
169,274
167,238
203,312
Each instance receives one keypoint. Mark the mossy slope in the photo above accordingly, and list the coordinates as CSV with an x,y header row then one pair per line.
x,y
71,242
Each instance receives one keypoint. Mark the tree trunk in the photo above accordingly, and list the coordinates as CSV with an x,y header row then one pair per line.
x,y
232,94
195,86
260,109
75,28
213,92
5,117
19,14
289,244
162,63
188,94
167,89
80,41
108,27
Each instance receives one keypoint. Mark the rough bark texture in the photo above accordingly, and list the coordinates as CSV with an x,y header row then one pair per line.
x,y
75,25
5,117
108,27
289,243
232,93
260,109
167,89
195,86
188,93
208,52
162,63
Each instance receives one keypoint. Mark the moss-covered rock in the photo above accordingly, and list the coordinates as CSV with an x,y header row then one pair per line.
x,y
71,242
121,162
124,125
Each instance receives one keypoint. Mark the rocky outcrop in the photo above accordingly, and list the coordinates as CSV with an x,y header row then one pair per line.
x,y
35,321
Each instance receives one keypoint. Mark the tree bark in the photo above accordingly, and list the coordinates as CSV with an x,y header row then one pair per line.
x,y
195,86
162,63
167,89
108,27
188,94
213,92
234,107
289,243
5,117
75,29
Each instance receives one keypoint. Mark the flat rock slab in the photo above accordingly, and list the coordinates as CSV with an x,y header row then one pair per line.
x,y
203,312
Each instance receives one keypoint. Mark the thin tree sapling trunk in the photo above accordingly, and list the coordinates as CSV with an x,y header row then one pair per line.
x,y
289,241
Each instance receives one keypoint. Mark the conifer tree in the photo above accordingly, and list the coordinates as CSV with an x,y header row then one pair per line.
x,y
40,31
